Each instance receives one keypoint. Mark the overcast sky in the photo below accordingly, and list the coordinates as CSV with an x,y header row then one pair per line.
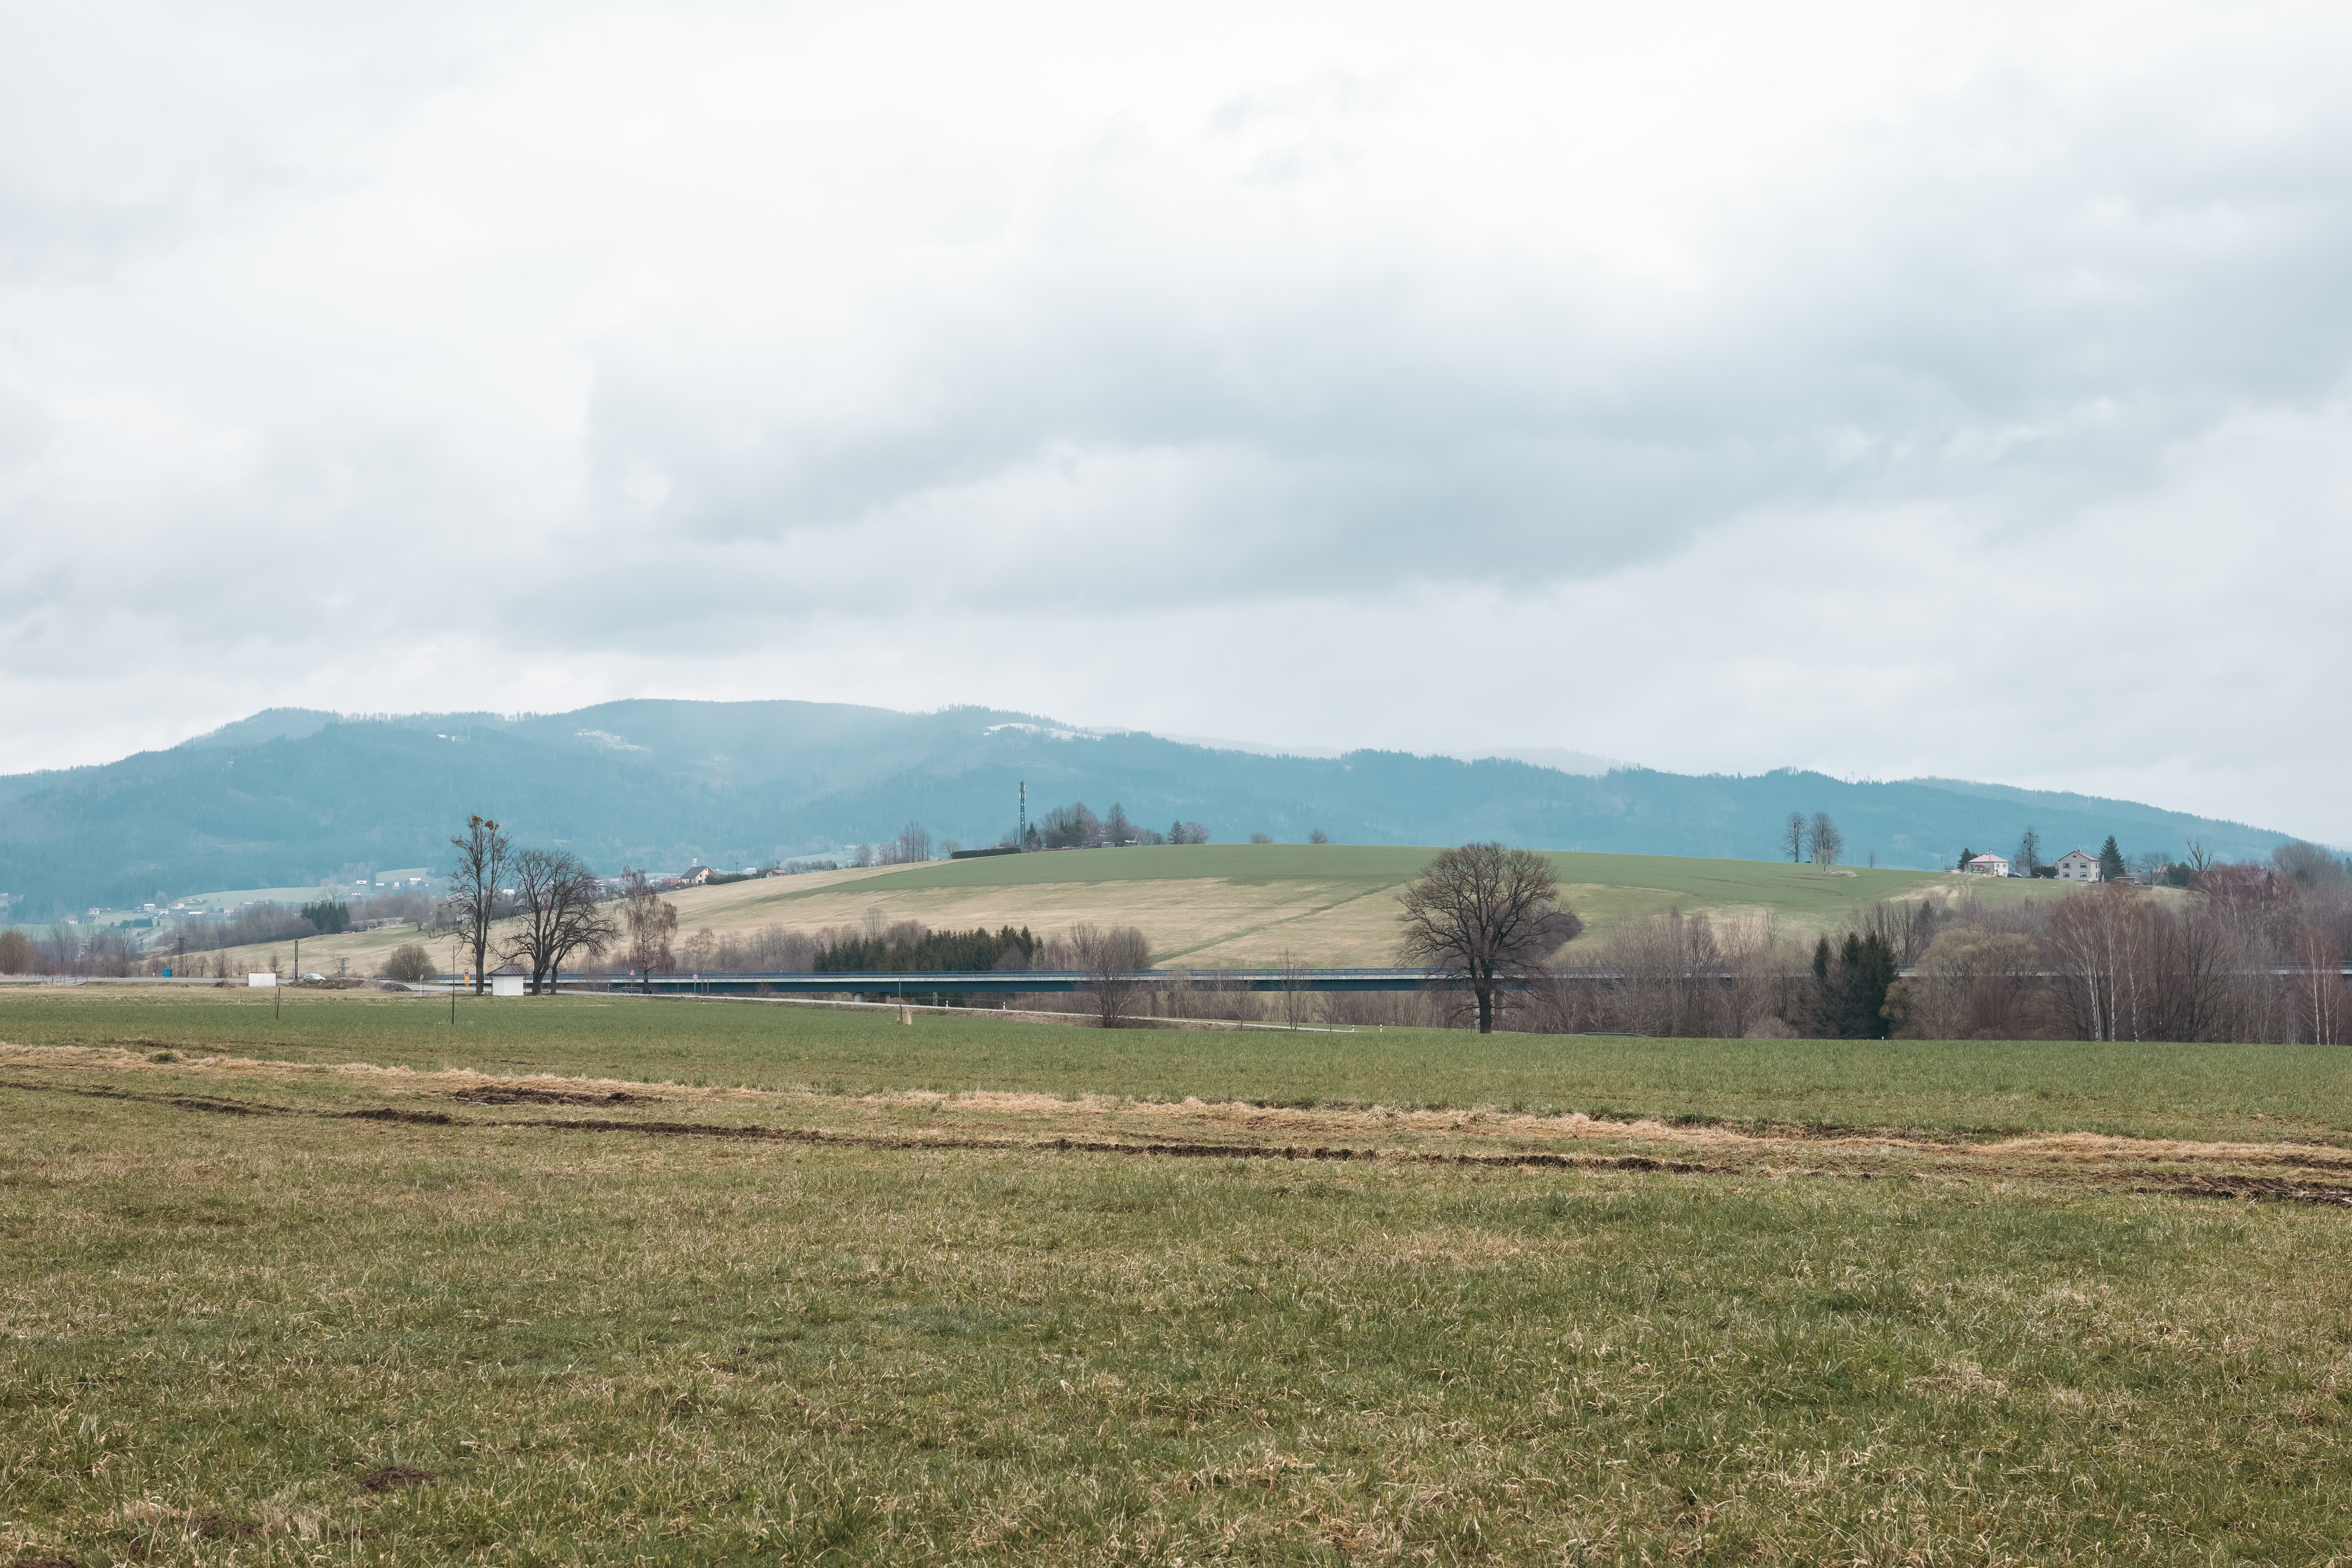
x,y
1885,389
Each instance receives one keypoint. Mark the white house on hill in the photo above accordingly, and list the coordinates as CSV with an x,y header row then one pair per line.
x,y
2077,867
1987,866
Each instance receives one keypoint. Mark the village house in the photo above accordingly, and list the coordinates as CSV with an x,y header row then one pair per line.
x,y
1987,866
2077,867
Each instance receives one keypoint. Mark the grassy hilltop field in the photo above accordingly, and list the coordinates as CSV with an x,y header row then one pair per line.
x,y
1243,904
623,1280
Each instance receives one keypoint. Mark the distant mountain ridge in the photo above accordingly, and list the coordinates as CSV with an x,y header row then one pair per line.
x,y
289,796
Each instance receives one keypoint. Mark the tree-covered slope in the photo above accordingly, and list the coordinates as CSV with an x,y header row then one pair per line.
x,y
288,798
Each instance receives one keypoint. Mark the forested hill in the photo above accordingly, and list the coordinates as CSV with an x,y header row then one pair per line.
x,y
288,798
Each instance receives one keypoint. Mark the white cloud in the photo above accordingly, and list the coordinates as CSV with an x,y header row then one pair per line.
x,y
1882,388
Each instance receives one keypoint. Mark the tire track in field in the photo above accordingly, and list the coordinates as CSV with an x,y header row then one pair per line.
x,y
2234,1185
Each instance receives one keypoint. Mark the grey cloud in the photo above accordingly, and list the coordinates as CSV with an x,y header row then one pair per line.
x,y
2009,297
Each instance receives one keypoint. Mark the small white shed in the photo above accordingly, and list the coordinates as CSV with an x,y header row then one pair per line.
x,y
509,980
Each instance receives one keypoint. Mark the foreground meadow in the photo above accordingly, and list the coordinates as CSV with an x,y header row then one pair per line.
x,y
278,1299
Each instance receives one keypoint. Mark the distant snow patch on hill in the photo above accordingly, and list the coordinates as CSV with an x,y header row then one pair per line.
x,y
1047,730
1590,763
1587,762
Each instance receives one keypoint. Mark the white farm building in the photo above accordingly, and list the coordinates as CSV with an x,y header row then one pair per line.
x,y
2077,867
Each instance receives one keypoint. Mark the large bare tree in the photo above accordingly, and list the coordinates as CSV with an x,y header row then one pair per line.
x,y
555,896
1792,837
474,887
1113,958
651,921
1827,841
586,928
1486,915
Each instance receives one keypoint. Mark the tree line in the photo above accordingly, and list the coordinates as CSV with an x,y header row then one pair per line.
x,y
908,949
2254,955
1073,826
1814,838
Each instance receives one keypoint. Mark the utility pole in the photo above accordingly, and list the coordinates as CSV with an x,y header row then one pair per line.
x,y
453,983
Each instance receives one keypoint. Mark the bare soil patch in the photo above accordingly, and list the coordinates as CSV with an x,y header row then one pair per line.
x,y
223,1527
506,1096
393,1478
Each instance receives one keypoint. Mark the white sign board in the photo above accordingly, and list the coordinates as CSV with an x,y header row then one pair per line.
x,y
261,980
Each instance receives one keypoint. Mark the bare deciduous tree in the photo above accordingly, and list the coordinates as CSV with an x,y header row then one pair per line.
x,y
1792,837
555,896
1970,984
474,887
2319,989
1827,842
1486,915
586,927
1296,998
2097,943
1111,957
650,921
409,964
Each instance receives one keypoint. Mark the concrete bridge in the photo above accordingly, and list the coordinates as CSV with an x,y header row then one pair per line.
x,y
930,983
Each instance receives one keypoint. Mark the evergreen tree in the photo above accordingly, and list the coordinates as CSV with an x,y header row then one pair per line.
x,y
973,951
2111,861
1850,985
329,917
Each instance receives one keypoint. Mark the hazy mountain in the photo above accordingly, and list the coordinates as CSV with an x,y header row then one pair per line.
x,y
292,796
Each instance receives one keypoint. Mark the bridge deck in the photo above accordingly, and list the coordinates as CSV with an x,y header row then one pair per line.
x,y
993,983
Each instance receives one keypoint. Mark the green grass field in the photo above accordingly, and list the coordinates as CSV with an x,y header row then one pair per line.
x,y
983,1291
1979,1089
1610,885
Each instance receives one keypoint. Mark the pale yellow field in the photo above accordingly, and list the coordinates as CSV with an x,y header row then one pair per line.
x,y
1208,921
1319,907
